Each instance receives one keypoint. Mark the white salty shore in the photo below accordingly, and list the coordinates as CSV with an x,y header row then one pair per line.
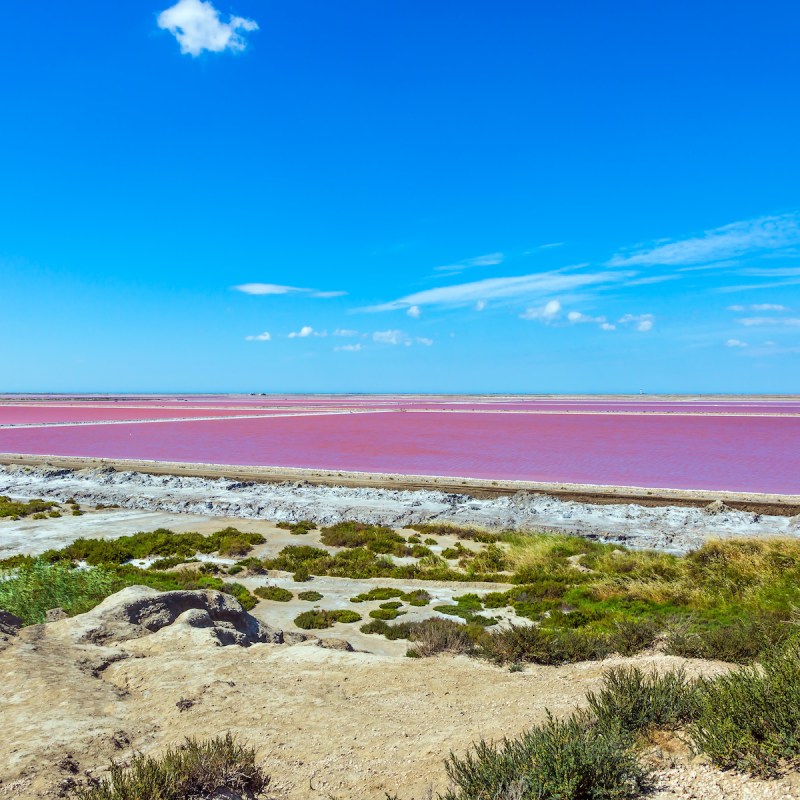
x,y
665,527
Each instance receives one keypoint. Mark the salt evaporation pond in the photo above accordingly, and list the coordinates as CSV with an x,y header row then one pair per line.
x,y
743,444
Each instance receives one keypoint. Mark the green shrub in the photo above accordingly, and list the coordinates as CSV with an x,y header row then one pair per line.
x,y
275,593
54,514
320,618
376,538
417,597
297,528
394,604
530,643
445,529
312,597
570,760
192,770
240,593
378,593
21,508
749,719
301,575
76,512
636,701
432,636
400,630
385,613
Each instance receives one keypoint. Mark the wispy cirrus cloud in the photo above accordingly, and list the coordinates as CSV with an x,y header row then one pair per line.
x,y
488,260
759,307
538,285
736,343
349,348
774,322
765,234
279,289
641,322
197,26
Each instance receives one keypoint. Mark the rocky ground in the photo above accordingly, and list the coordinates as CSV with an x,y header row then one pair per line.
x,y
144,670
673,528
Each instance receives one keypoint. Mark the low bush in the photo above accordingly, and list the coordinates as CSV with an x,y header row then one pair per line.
x,y
531,643
378,593
395,604
445,529
432,636
320,618
636,701
749,719
297,528
417,597
21,508
275,593
385,613
189,771
311,597
376,538
400,630
569,760
161,542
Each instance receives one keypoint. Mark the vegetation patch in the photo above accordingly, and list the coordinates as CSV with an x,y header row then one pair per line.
x,y
275,593
385,613
376,538
192,770
445,529
320,618
297,528
378,593
161,542
17,509
311,596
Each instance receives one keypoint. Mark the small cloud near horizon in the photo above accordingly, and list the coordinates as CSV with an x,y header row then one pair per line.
x,y
197,27
279,289
261,337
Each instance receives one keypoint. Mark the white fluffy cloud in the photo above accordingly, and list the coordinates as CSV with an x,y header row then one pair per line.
x,y
395,337
413,312
197,26
304,332
546,313
735,343
261,337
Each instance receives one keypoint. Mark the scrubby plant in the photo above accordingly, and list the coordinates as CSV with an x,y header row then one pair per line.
x,y
394,604
378,593
569,760
376,538
300,528
196,769
385,613
636,701
275,593
23,508
749,719
322,618
432,636
399,630
310,596
417,597
301,575
446,529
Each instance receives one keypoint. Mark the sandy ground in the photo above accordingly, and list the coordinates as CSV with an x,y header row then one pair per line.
x,y
674,528
324,723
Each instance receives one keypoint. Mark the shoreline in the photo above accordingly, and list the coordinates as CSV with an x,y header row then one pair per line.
x,y
479,488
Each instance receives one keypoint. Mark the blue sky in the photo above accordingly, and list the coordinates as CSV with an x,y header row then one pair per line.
x,y
400,196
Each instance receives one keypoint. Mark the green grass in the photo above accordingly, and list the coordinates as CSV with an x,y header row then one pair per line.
x,y
275,593
30,587
320,618
17,509
192,770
